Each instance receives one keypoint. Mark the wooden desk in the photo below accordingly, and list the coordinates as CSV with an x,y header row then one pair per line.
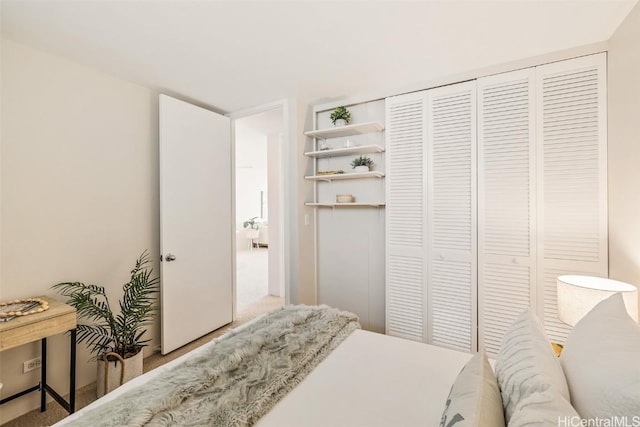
x,y
21,330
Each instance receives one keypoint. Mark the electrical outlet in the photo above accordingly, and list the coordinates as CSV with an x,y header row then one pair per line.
x,y
31,365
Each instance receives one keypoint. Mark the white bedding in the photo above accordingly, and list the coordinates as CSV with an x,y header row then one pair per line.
x,y
369,380
372,380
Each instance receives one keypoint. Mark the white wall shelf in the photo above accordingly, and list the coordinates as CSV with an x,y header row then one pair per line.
x,y
348,237
347,205
348,130
341,176
337,152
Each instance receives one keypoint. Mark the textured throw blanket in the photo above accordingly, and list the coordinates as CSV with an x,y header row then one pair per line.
x,y
238,379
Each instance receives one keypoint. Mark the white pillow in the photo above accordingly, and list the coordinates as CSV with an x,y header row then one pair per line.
x,y
526,364
544,408
474,400
601,360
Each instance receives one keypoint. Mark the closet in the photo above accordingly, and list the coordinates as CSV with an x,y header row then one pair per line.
x,y
494,188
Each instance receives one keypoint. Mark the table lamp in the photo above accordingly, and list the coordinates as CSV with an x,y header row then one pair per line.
x,y
577,295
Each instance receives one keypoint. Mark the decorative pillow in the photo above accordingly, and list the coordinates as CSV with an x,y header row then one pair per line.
x,y
526,365
474,400
544,408
601,360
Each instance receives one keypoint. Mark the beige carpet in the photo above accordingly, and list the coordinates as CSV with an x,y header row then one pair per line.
x,y
252,276
86,395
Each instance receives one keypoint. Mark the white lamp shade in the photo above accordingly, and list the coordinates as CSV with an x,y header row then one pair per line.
x,y
577,295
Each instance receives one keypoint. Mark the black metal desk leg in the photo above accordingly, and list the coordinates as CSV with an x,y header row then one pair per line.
x,y
43,378
72,374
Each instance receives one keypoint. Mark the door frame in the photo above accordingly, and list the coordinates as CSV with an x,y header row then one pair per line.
x,y
287,191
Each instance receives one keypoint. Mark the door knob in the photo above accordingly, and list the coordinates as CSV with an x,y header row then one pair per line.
x,y
170,257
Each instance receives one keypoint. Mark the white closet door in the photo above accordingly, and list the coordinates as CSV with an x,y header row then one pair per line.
x,y
506,202
451,213
405,216
572,173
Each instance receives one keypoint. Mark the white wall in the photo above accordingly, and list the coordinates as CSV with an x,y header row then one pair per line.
x,y
79,188
251,173
302,271
624,150
275,177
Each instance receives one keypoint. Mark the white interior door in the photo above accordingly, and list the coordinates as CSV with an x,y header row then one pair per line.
x,y
195,222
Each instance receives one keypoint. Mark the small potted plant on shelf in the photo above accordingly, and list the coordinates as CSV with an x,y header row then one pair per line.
x,y
361,164
115,339
340,116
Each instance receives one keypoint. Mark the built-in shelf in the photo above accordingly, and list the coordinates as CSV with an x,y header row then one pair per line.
x,y
339,176
346,205
348,130
336,152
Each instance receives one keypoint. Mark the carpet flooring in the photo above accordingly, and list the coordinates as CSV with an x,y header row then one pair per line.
x,y
86,395
252,276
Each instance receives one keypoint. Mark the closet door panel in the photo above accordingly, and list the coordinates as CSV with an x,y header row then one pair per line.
x,y
572,191
506,203
505,295
405,216
451,213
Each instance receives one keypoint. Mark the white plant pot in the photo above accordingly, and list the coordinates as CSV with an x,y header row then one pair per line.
x,y
132,369
340,122
251,233
361,169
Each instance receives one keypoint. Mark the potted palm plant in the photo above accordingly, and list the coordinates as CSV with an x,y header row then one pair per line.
x,y
115,339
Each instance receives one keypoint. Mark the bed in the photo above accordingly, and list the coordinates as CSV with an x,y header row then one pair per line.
x,y
344,376
369,379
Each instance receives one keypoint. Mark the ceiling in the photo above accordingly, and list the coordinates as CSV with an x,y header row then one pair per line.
x,y
230,55
265,123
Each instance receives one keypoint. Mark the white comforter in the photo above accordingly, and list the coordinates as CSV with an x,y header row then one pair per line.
x,y
372,380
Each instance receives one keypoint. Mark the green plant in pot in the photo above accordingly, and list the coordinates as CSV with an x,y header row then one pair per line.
x,y
251,223
340,116
251,230
362,164
115,339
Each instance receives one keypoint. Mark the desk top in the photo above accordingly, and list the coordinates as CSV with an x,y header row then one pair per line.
x,y
59,318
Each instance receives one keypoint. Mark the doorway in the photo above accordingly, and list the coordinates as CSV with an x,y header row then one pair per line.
x,y
258,214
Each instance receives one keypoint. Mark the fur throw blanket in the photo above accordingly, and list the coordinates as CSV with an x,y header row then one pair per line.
x,y
237,380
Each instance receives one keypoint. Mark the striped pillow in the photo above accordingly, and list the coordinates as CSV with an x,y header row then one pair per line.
x,y
526,366
543,408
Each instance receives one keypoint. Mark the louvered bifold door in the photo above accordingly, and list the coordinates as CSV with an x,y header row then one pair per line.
x,y
506,203
572,173
451,216
405,216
